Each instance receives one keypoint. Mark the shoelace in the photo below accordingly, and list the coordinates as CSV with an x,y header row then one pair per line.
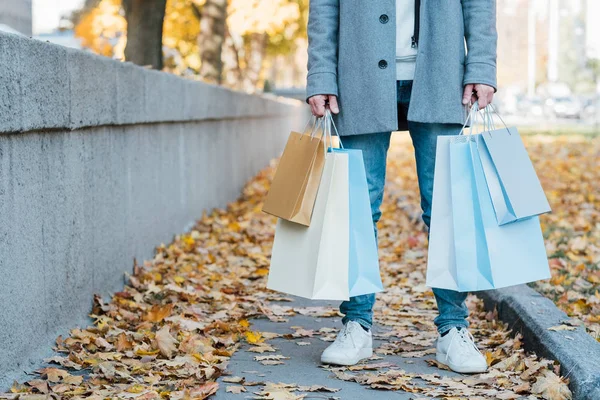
x,y
344,334
465,339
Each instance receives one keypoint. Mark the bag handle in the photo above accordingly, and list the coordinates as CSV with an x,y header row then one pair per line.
x,y
488,111
487,120
330,123
472,116
314,121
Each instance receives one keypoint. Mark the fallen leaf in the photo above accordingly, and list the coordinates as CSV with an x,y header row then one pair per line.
x,y
551,387
165,342
158,313
254,337
233,379
562,328
235,389
262,349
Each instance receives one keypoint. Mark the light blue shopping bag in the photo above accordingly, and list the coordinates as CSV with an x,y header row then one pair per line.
x,y
363,273
473,269
487,255
513,184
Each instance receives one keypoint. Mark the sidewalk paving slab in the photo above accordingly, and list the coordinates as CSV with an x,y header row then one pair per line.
x,y
303,367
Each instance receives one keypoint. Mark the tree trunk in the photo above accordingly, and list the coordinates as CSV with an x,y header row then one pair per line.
x,y
144,31
211,39
256,48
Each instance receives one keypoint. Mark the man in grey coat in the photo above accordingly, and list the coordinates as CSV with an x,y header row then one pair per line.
x,y
396,65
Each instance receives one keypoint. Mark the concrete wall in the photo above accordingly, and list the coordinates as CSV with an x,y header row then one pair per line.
x,y
100,162
17,14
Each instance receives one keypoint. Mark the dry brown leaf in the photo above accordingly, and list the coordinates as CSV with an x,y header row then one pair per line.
x,y
165,342
317,388
562,327
158,313
271,357
551,387
234,379
235,389
40,385
265,348
436,363
271,362
509,363
54,374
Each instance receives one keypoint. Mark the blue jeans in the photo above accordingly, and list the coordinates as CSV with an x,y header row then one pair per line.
x,y
451,305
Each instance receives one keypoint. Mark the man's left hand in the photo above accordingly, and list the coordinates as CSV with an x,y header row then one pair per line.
x,y
478,92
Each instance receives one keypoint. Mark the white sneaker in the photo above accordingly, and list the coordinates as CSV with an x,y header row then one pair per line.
x,y
458,351
352,344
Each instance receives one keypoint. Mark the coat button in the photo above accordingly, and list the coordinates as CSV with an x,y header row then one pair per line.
x,y
382,64
383,18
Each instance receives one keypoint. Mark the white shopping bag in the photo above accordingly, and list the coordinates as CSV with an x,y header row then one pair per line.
x,y
312,261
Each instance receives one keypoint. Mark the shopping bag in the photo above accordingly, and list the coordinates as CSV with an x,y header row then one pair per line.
x,y
441,259
512,181
472,263
294,187
468,250
363,271
312,261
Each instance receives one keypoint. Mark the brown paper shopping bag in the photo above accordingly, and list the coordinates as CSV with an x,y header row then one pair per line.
x,y
294,188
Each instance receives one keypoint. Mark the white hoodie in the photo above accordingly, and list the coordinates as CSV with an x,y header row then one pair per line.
x,y
406,55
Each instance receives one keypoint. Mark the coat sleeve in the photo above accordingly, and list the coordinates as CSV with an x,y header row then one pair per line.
x,y
481,37
323,28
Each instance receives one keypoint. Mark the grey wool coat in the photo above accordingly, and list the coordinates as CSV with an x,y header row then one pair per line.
x,y
352,52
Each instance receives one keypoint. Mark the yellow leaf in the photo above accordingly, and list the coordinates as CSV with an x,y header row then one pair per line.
x,y
489,357
244,323
254,337
189,241
135,389
141,352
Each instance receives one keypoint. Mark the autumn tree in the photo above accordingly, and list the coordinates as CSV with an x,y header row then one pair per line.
x,y
213,20
259,29
236,43
101,27
145,31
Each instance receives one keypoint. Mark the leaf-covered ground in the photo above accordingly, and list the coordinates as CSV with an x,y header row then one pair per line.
x,y
171,331
569,169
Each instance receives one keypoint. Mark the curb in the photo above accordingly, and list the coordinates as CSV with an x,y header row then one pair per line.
x,y
530,313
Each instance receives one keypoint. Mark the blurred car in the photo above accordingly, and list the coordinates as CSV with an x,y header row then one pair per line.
x,y
532,107
565,107
591,108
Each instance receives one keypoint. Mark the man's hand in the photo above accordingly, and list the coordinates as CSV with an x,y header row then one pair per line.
x,y
478,92
320,102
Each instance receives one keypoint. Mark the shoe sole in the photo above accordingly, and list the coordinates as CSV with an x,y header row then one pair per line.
x,y
362,354
441,358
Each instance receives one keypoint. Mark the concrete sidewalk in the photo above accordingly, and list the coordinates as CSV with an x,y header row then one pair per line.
x,y
303,366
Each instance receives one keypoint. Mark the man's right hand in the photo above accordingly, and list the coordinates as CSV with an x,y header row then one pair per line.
x,y
320,102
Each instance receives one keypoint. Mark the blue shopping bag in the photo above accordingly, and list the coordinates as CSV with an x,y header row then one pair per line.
x,y
363,273
512,181
473,268
516,251
468,250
